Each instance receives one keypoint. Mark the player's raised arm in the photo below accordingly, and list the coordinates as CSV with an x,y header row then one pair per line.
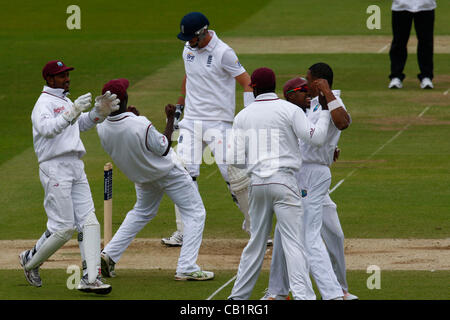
x,y
338,113
160,143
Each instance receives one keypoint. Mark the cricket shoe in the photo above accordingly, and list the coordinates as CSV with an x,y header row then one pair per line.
x,y
32,276
268,296
108,266
175,240
426,83
97,286
196,276
349,296
270,242
395,83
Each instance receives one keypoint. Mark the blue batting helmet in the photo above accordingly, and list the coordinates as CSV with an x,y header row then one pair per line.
x,y
191,25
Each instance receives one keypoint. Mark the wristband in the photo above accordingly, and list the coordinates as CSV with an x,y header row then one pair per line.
x,y
333,105
248,98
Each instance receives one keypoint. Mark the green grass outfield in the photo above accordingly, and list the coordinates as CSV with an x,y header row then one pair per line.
x,y
401,191
159,285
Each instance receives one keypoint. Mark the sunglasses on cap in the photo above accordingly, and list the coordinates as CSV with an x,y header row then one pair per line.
x,y
303,88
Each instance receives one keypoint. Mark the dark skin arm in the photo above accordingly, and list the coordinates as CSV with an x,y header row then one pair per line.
x,y
170,113
337,152
182,96
340,116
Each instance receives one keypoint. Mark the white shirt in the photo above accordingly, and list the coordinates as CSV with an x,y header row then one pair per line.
x,y
413,5
266,133
136,147
321,154
53,136
210,81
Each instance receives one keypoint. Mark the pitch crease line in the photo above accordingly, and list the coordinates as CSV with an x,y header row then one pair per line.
x,y
220,289
384,48
381,148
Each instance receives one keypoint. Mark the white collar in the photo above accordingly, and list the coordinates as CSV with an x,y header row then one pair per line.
x,y
57,92
213,42
337,94
121,116
266,97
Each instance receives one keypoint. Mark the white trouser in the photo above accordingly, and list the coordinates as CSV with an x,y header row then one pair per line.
x,y
194,136
315,179
69,206
68,199
178,185
333,236
280,194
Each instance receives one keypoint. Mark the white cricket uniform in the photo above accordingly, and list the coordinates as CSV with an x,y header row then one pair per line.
x,y
210,103
137,149
59,149
320,216
273,187
413,5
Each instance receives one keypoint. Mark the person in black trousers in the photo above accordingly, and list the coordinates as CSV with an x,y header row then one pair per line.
x,y
403,14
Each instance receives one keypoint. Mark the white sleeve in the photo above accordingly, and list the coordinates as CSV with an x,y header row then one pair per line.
x,y
231,64
155,141
46,124
84,122
309,132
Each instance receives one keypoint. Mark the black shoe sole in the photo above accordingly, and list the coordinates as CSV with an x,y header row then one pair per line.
x,y
97,291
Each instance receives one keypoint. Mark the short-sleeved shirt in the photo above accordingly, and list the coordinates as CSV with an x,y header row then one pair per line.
x,y
210,81
413,5
136,147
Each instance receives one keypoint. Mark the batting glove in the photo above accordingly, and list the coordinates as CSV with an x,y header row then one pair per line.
x,y
81,104
104,106
178,112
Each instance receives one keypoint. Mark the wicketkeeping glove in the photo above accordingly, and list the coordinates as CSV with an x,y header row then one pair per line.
x,y
81,104
104,106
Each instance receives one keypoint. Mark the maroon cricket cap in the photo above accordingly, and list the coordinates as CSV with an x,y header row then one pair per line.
x,y
54,67
293,84
263,78
117,86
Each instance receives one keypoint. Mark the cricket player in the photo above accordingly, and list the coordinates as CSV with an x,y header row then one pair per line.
x,y
314,180
57,122
208,99
145,156
273,186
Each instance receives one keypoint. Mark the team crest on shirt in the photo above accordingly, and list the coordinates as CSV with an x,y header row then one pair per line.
x,y
316,107
190,57
58,110
209,61
238,63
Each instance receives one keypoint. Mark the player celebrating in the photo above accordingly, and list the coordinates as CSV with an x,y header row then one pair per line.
x,y
314,180
208,94
273,187
147,159
57,123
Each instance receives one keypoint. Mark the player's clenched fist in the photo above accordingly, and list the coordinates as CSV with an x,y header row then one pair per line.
x,y
170,111
319,87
